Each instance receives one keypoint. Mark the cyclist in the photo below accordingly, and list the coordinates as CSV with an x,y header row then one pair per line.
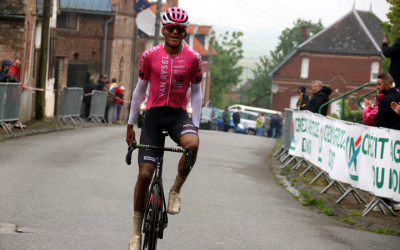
x,y
171,68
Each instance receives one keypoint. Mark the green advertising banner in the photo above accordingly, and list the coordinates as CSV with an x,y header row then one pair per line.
x,y
366,157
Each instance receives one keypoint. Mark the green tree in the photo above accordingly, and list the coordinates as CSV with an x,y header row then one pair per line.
x,y
289,39
390,28
351,115
259,90
225,71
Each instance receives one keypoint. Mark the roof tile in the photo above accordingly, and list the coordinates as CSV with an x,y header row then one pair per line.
x,y
348,35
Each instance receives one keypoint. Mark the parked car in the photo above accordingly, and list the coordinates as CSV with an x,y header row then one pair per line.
x,y
207,117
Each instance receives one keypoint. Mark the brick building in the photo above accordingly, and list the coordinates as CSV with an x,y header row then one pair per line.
x,y
94,40
21,22
344,56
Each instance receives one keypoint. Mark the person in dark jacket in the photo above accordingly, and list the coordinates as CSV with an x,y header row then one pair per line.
x,y
320,96
386,116
303,98
5,68
393,53
101,82
87,98
276,126
236,118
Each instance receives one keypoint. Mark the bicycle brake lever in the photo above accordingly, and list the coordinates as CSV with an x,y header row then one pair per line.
x,y
128,158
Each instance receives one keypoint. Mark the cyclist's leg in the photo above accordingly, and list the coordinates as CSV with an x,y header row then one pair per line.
x,y
174,200
136,239
145,175
183,132
150,135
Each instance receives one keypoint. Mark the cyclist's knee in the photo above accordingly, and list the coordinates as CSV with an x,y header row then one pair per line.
x,y
191,141
146,171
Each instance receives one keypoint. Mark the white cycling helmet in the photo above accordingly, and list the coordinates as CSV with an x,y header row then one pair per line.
x,y
176,16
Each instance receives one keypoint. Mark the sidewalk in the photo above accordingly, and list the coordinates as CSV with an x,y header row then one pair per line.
x,y
348,210
40,127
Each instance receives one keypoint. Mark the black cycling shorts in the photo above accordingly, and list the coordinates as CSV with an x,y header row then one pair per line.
x,y
175,120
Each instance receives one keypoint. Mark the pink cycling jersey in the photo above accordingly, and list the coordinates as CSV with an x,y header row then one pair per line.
x,y
169,76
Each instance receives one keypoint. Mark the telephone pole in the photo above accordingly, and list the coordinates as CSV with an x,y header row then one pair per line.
x,y
43,61
208,80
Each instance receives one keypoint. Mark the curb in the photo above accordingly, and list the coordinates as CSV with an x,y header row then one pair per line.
x,y
43,130
297,186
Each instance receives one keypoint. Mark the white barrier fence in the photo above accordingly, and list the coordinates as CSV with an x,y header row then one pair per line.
x,y
367,158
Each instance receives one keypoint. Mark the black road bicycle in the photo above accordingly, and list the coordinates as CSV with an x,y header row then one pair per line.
x,y
155,214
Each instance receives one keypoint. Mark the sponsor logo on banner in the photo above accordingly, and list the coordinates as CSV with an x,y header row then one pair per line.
x,y
320,140
293,145
353,148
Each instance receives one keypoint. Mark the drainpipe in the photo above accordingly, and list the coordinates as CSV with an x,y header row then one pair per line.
x,y
105,44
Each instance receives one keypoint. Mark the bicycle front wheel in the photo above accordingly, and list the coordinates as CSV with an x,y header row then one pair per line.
x,y
154,222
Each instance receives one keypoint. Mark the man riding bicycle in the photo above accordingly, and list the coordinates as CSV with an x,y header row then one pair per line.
x,y
171,68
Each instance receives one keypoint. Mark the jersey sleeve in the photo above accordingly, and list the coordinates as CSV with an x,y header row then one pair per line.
x,y
197,71
144,67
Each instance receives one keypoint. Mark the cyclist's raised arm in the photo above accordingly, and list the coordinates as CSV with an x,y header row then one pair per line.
x,y
196,104
138,97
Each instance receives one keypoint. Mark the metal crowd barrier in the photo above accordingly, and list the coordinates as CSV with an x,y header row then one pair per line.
x,y
285,158
10,104
287,137
98,106
69,106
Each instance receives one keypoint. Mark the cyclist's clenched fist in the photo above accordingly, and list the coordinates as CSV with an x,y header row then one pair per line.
x,y
130,134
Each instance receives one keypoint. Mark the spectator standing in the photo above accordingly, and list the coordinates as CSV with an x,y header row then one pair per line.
x,y
386,116
320,96
118,102
236,118
226,117
393,52
303,98
276,126
109,101
5,67
113,86
267,125
370,110
279,130
87,95
16,68
260,123
101,82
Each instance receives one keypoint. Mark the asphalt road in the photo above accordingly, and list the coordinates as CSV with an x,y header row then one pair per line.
x,y
73,189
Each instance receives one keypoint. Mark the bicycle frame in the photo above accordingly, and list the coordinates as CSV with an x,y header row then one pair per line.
x,y
155,214
157,181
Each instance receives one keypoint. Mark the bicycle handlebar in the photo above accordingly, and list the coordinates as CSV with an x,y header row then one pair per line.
x,y
134,146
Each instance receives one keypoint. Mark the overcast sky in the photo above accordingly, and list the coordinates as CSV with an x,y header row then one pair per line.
x,y
262,21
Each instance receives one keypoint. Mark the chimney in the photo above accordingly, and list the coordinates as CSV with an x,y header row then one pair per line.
x,y
305,33
173,3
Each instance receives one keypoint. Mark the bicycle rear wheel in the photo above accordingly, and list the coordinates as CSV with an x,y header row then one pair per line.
x,y
151,227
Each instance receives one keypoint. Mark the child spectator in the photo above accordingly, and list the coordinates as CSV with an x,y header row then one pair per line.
x,y
370,111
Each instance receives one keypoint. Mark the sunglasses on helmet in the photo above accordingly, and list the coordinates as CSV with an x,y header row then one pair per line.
x,y
172,27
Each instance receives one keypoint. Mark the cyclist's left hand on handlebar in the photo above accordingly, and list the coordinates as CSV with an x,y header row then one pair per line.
x,y
130,135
